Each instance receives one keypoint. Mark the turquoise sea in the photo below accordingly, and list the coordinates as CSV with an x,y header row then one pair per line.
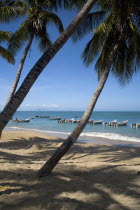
x,y
91,132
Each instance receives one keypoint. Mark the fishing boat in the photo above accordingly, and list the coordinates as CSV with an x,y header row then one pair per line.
x,y
57,118
75,121
62,121
122,123
42,116
21,121
29,118
110,123
136,125
69,120
90,121
97,122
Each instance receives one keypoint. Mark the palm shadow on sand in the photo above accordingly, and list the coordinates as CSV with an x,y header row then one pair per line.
x,y
109,185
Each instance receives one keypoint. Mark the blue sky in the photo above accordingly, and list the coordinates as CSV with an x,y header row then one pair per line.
x,y
66,83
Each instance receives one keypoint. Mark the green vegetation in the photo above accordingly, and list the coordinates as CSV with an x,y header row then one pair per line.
x,y
33,27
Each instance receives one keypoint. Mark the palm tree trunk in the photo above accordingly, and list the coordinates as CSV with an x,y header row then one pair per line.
x,y
34,73
67,144
61,151
18,74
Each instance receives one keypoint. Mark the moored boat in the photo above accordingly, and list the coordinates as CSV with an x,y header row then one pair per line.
x,y
69,120
42,116
122,123
57,118
136,125
76,121
110,123
90,121
97,122
62,121
21,121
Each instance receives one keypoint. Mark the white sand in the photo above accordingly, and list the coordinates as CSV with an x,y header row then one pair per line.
x,y
90,176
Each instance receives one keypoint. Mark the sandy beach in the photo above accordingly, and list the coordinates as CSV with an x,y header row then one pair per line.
x,y
90,176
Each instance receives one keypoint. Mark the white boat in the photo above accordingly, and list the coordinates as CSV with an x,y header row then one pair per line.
x,y
136,125
97,122
110,123
21,121
73,120
90,121
62,121
70,120
122,123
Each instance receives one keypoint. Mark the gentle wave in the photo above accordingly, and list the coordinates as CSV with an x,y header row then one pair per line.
x,y
112,136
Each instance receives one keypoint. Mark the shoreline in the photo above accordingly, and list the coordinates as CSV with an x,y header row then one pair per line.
x,y
89,176
84,138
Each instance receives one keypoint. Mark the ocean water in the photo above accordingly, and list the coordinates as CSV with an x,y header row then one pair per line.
x,y
121,133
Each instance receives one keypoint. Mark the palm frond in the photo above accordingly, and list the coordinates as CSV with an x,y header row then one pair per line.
x,y
18,38
49,17
105,53
7,55
44,43
90,22
55,4
4,36
43,39
14,9
120,28
127,60
95,45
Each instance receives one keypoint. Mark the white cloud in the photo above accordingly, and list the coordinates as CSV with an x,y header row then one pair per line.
x,y
41,106
50,106
29,107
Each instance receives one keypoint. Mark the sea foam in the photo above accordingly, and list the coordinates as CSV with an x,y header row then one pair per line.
x,y
112,136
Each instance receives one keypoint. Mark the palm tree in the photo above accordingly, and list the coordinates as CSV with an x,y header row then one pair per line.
x,y
5,36
34,27
30,79
9,10
116,44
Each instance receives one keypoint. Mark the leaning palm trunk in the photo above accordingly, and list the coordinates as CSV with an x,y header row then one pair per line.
x,y
67,144
18,74
60,152
34,73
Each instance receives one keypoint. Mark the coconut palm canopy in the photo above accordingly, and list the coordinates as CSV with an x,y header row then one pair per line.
x,y
34,26
5,36
120,26
37,18
9,10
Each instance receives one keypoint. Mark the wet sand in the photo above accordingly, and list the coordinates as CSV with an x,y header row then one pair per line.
x,y
89,176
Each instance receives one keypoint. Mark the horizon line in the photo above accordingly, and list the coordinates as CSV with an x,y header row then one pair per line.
x,y
75,111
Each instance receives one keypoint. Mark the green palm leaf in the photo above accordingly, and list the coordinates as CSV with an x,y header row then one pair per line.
x,y
18,38
7,55
49,18
89,24
121,27
9,10
4,36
